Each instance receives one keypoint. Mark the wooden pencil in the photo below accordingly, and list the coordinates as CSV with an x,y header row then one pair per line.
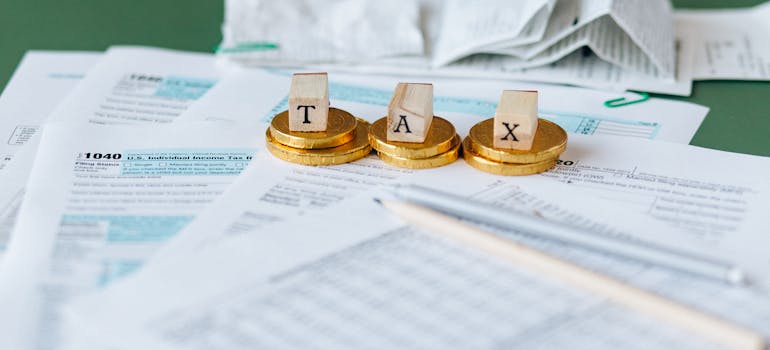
x,y
676,314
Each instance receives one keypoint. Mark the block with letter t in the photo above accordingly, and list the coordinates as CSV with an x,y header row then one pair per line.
x,y
515,120
410,112
309,102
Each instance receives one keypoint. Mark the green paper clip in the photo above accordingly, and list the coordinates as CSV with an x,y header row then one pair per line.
x,y
246,47
622,101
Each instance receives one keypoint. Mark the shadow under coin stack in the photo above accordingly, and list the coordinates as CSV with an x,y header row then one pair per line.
x,y
312,133
410,136
515,141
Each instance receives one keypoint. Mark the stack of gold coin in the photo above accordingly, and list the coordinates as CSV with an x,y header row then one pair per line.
x,y
344,140
441,146
478,151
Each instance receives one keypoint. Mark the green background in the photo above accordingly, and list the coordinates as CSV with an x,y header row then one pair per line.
x,y
739,119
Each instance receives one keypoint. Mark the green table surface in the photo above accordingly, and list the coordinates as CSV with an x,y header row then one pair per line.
x,y
739,119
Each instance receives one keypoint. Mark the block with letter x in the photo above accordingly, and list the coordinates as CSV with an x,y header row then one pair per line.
x,y
516,120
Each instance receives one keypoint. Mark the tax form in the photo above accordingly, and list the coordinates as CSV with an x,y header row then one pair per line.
x,y
44,77
338,308
99,201
129,85
139,84
717,213
466,102
40,82
252,208
370,283
728,44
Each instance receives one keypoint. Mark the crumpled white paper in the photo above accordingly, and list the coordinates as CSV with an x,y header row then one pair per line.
x,y
307,31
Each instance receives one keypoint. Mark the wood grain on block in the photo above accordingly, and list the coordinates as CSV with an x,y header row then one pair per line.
x,y
516,120
410,112
308,102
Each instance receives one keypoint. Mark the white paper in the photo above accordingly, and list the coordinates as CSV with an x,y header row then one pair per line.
x,y
303,31
619,32
14,178
240,97
721,198
128,85
243,97
730,204
579,68
728,44
566,18
370,283
718,211
40,82
99,201
470,26
139,85
631,51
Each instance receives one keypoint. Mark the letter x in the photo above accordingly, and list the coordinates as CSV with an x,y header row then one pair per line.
x,y
510,131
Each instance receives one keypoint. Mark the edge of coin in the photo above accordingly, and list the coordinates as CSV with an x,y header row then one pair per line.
x,y
518,156
300,139
436,161
506,169
403,149
323,156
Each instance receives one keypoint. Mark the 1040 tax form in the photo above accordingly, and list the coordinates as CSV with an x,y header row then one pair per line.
x,y
100,201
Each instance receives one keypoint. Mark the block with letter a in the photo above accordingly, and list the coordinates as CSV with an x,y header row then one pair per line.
x,y
516,120
410,112
309,102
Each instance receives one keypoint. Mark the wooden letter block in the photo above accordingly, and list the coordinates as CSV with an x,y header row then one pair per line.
x,y
308,102
410,112
516,120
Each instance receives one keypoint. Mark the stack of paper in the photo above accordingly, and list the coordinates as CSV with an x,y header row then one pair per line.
x,y
140,210
605,44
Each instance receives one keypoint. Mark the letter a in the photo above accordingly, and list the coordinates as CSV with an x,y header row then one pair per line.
x,y
402,121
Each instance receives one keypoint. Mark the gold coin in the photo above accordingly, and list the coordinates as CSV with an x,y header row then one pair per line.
x,y
423,163
438,140
340,129
550,141
353,150
475,160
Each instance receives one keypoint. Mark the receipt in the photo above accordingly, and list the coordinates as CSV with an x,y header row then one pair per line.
x,y
534,40
604,28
